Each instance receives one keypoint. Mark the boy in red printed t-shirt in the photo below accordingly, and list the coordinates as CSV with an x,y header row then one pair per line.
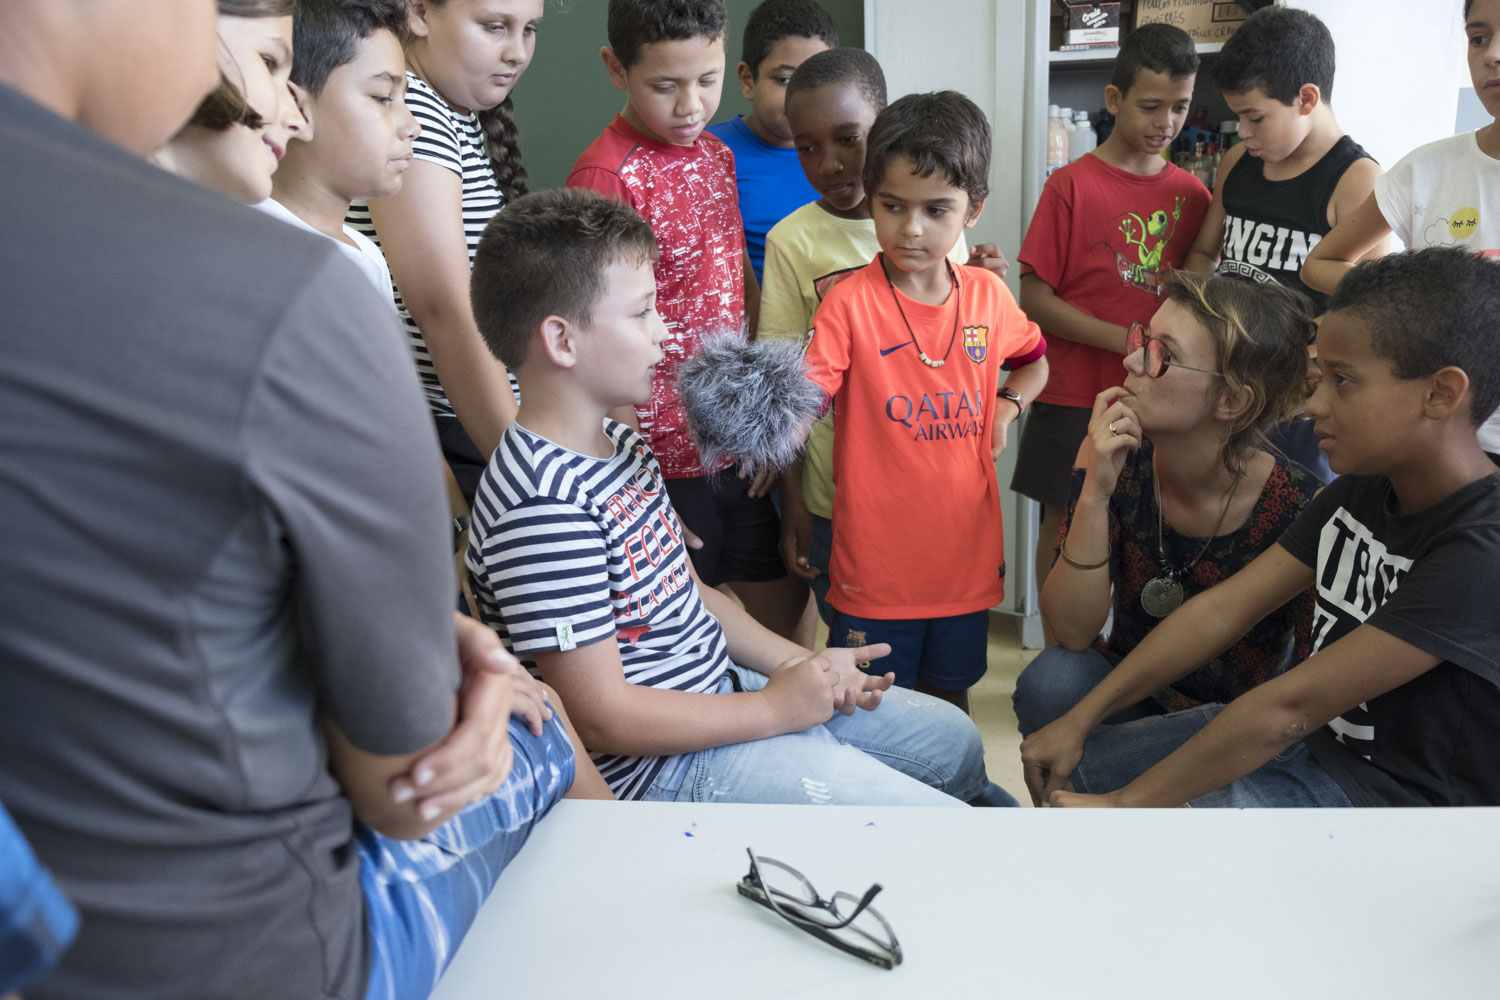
x,y
668,58
911,347
1105,230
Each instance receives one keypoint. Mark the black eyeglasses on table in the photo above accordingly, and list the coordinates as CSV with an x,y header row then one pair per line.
x,y
845,921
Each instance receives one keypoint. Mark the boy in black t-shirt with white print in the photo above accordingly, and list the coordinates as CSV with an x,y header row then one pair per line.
x,y
1400,702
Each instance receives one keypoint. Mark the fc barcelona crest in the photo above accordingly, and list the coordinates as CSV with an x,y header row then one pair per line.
x,y
976,342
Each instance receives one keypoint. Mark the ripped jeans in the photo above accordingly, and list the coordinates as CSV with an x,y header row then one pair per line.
x,y
914,750
421,896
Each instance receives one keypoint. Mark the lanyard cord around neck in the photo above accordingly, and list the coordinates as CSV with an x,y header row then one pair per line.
x,y
1163,594
957,310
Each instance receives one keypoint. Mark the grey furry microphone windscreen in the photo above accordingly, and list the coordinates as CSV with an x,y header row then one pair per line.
x,y
750,401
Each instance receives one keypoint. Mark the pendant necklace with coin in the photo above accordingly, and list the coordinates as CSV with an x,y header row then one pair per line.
x,y
958,289
1162,594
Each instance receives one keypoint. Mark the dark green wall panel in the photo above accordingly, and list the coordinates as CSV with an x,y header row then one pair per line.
x,y
565,99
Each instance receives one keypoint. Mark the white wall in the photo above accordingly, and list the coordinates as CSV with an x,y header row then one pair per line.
x,y
970,46
1400,67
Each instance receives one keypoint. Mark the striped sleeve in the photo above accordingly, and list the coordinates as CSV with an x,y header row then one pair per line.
x,y
438,142
545,573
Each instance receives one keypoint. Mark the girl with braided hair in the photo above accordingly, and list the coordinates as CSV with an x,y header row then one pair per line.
x,y
463,59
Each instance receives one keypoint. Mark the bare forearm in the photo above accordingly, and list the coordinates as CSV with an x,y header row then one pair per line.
x,y
1199,261
1359,234
1059,319
654,722
1028,381
752,298
473,379
1250,731
1075,602
750,643
1194,634
1325,275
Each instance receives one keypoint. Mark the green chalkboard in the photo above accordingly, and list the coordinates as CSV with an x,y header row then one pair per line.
x,y
565,99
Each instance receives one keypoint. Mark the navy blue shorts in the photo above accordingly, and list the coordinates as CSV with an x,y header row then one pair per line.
x,y
949,654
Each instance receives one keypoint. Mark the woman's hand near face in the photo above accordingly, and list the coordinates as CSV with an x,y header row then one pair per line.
x,y
1114,432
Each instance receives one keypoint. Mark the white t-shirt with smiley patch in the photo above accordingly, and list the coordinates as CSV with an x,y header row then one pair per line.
x,y
1446,193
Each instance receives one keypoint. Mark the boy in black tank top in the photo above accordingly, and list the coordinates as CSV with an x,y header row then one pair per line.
x,y
1293,175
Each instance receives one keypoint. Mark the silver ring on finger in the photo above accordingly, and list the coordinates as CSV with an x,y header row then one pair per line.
x,y
1112,431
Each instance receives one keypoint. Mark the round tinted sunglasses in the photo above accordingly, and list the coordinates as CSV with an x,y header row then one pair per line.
x,y
1156,357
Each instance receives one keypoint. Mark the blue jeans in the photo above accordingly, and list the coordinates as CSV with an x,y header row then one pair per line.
x,y
913,750
421,896
1057,679
1115,755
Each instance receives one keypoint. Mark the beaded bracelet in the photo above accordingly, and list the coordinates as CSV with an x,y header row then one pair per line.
x,y
1063,548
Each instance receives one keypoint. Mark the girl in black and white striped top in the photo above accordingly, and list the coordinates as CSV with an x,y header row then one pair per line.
x,y
463,59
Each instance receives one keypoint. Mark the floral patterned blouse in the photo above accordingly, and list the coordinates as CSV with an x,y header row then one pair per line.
x,y
1281,639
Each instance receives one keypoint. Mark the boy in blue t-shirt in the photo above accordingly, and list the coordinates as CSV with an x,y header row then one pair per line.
x,y
1399,704
779,36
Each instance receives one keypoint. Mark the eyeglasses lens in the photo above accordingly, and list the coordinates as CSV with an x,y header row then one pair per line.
x,y
785,884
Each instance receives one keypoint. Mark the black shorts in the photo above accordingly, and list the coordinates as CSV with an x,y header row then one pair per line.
x,y
1049,445
461,455
741,536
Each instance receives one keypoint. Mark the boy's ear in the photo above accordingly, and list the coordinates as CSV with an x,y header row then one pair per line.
x,y
305,105
975,208
416,18
1114,99
559,341
1447,393
613,67
747,79
1308,98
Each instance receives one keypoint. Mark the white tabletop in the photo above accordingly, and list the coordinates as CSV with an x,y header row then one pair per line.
x,y
626,900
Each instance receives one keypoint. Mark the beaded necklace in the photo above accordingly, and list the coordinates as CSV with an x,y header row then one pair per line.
x,y
958,308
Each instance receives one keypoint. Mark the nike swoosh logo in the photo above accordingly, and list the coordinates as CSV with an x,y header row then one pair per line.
x,y
891,350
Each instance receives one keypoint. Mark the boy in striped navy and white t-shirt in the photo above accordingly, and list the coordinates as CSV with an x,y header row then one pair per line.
x,y
580,564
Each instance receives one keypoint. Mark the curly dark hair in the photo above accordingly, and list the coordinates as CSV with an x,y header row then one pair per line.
x,y
1429,309
1277,50
852,66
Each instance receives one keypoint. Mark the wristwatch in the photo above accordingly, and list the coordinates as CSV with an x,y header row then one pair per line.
x,y
1006,392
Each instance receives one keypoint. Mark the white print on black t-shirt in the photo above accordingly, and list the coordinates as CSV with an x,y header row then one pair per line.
x,y
1356,575
1250,246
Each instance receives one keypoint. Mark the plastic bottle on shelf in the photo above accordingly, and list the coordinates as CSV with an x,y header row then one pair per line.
x,y
1065,115
1082,141
1057,141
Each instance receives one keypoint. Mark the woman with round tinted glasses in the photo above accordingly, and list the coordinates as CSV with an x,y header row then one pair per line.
x,y
1174,489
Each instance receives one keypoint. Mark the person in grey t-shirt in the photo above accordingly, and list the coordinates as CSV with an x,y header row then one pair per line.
x,y
228,655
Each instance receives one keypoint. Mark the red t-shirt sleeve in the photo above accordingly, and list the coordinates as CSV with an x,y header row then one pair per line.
x,y
1044,251
831,346
605,182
